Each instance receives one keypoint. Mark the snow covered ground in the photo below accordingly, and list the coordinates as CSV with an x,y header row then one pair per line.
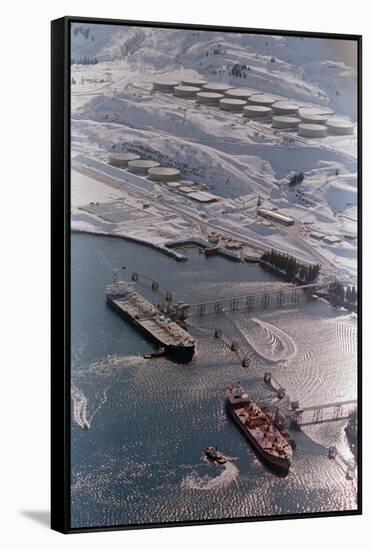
x,y
114,109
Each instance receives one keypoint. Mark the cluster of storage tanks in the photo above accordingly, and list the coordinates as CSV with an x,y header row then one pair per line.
x,y
165,174
150,168
284,115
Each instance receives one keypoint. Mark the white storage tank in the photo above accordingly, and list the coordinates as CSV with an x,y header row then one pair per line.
x,y
239,93
312,130
142,166
285,108
324,111
313,119
163,173
209,98
230,104
217,87
340,127
261,99
173,185
165,85
255,111
282,121
198,83
121,159
186,91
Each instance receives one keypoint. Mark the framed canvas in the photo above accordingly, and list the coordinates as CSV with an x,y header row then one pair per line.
x,y
206,274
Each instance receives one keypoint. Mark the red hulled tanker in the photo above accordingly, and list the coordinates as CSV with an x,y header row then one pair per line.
x,y
266,439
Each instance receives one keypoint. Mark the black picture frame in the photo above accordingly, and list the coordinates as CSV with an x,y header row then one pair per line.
x,y
61,263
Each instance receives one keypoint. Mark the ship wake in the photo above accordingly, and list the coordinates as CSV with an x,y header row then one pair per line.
x,y
80,407
208,483
268,341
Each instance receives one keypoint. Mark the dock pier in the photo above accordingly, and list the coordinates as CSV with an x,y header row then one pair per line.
x,y
315,414
276,296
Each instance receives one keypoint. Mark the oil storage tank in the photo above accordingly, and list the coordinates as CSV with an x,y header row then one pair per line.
x,y
163,173
323,111
312,130
340,127
141,166
197,82
121,159
283,122
230,104
166,85
285,108
255,111
239,93
209,98
217,87
308,118
188,92
261,99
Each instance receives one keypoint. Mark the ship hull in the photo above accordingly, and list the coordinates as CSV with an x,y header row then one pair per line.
x,y
280,465
180,354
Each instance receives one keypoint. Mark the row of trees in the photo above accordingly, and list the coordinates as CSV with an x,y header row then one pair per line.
x,y
289,265
341,295
239,70
82,29
85,61
295,179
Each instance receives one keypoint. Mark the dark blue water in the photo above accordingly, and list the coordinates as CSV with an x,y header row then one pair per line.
x,y
141,460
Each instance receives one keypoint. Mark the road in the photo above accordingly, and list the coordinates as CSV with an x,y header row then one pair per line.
x,y
144,188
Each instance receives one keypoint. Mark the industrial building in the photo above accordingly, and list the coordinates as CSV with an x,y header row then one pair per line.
x,y
218,87
198,83
285,108
340,127
121,159
275,216
142,166
284,122
163,173
331,239
185,189
316,235
261,99
255,111
202,196
165,85
230,104
209,98
187,183
188,92
312,130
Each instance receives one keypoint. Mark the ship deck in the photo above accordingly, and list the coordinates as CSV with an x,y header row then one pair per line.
x,y
145,314
262,430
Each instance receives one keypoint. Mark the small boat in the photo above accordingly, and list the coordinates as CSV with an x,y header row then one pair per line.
x,y
213,454
85,426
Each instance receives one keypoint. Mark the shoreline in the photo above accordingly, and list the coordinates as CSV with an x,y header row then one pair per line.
x,y
167,251
203,245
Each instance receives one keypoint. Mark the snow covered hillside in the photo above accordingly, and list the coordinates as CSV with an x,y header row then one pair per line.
x,y
240,160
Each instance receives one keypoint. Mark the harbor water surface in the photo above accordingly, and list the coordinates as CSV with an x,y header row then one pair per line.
x,y
147,421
